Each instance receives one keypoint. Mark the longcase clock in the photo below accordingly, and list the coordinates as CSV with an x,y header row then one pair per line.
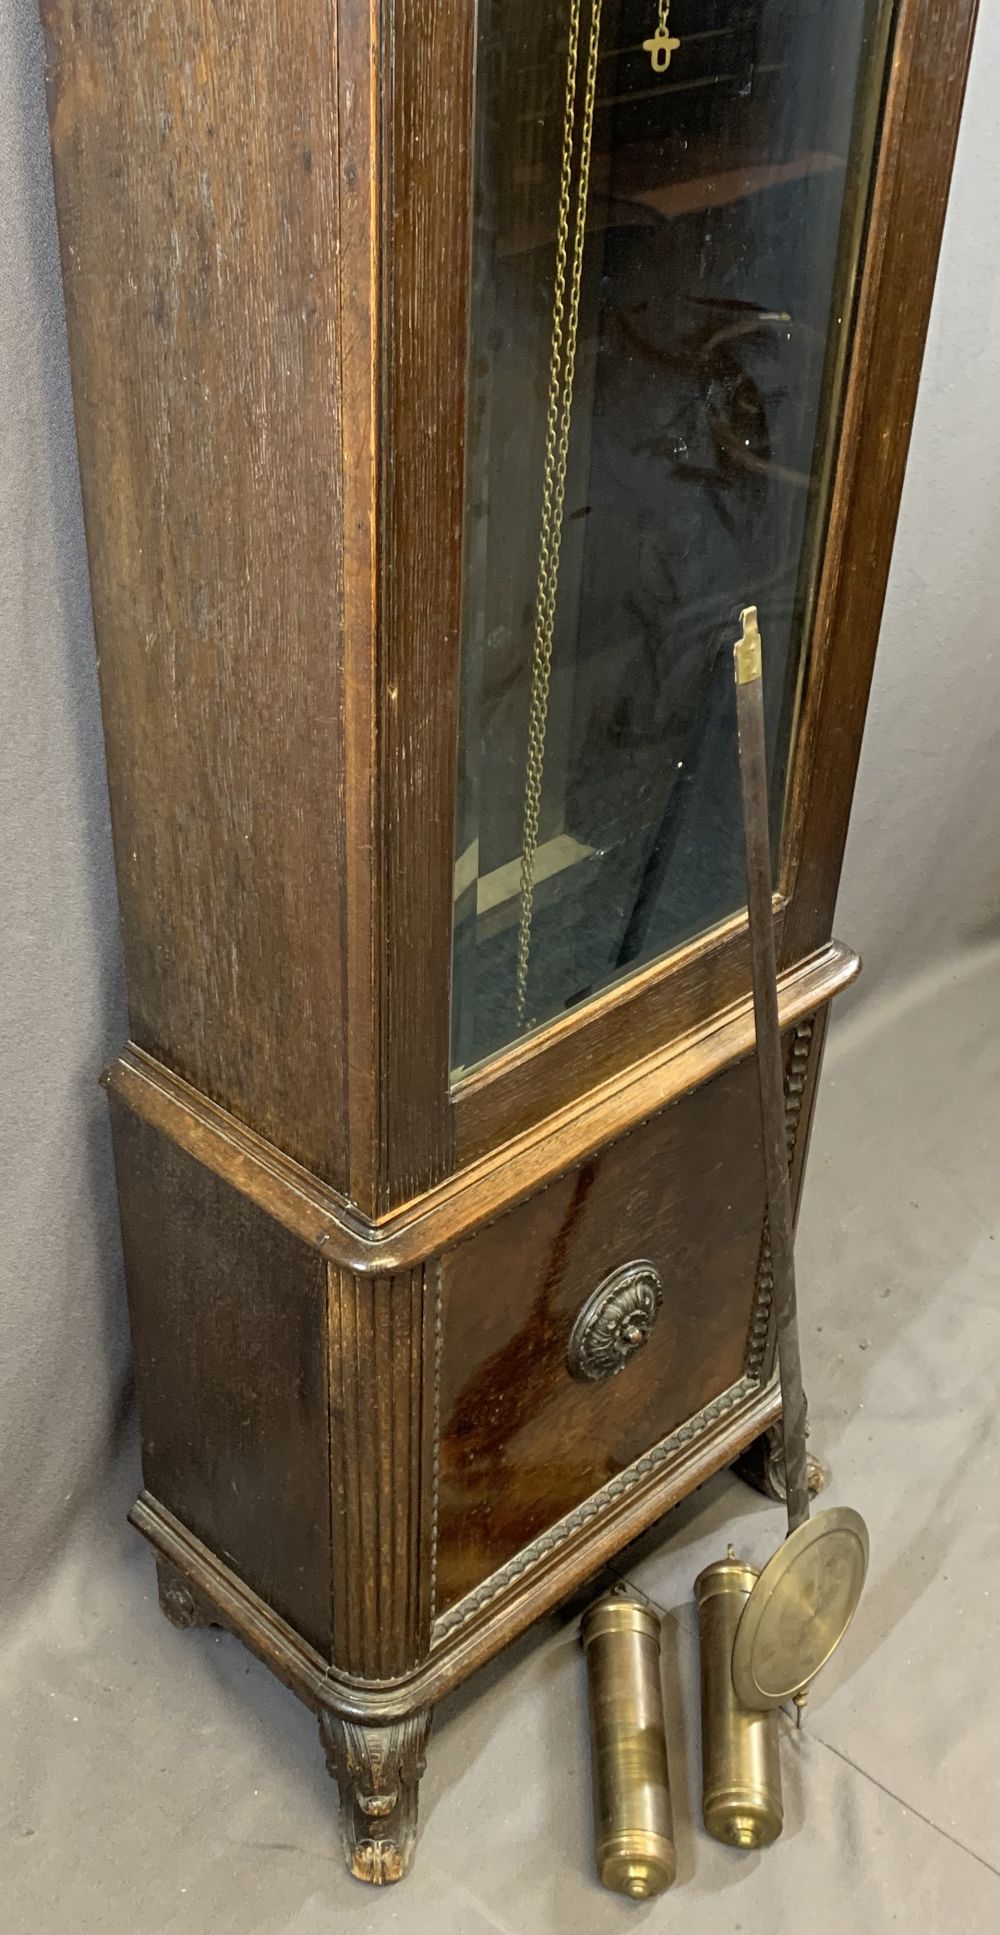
x,y
447,378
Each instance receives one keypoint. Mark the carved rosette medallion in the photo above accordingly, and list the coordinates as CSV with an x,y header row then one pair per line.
x,y
615,1322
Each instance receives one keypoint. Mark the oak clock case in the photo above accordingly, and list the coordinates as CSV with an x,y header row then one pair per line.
x,y
435,422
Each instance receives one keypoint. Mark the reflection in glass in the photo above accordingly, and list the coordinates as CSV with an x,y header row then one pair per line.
x,y
664,244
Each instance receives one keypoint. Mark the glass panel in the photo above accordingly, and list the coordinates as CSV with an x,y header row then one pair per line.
x,y
668,205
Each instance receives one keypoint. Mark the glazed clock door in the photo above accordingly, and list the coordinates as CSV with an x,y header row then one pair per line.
x,y
668,210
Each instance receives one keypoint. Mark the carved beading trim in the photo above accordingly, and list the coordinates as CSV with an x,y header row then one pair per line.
x,y
592,1507
436,1429
795,1083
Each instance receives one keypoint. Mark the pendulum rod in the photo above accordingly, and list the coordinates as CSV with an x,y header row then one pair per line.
x,y
756,837
570,233
799,1607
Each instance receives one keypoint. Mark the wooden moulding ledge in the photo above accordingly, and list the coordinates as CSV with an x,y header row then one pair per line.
x,y
484,1189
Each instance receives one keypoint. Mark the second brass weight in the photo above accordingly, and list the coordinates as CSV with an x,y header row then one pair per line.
x,y
741,1766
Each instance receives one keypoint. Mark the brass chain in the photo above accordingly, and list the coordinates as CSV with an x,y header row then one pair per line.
x,y
570,230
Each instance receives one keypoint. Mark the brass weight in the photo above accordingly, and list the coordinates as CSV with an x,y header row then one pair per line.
x,y
632,1814
741,1766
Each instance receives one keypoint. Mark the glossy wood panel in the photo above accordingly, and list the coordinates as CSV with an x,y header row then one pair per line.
x,y
229,1323
469,1644
522,1442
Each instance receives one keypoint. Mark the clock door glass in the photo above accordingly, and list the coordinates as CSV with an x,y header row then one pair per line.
x,y
668,203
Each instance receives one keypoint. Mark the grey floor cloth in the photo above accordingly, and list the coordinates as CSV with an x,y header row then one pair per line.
x,y
154,1781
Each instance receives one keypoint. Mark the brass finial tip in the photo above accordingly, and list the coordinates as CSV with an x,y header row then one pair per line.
x,y
637,1875
746,651
743,1832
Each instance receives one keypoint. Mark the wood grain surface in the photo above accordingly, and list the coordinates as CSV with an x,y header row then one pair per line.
x,y
229,1329
484,1189
195,153
522,1441
383,1340
265,224
920,127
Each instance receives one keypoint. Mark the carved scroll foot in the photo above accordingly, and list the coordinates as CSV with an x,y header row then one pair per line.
x,y
377,1770
762,1465
177,1601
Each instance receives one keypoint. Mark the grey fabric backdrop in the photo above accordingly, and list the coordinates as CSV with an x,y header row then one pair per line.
x,y
922,880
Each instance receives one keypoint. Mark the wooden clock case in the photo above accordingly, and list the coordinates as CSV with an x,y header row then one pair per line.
x,y
352,1282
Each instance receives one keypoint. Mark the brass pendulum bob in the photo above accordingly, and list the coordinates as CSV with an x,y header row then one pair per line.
x,y
633,1821
796,1612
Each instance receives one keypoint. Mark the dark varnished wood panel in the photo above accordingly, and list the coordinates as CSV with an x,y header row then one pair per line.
x,y
924,100
478,1194
228,1314
521,1441
469,1644
383,1336
358,39
195,156
215,456
427,116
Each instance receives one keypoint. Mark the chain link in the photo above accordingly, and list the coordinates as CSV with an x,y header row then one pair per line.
x,y
567,284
